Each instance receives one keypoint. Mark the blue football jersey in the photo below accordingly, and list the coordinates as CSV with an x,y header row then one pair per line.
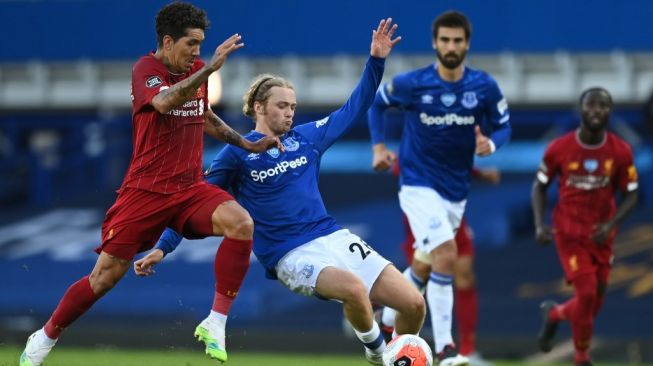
x,y
438,141
280,189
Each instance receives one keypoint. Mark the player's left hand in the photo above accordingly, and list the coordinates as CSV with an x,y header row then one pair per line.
x,y
143,266
264,144
601,233
484,145
382,41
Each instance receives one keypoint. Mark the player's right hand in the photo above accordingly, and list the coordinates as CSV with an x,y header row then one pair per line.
x,y
383,158
143,266
232,44
544,234
264,144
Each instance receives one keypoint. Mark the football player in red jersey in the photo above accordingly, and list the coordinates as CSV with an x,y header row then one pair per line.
x,y
164,185
591,164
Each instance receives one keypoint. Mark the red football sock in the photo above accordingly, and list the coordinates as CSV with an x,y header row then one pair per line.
x,y
583,316
76,301
564,311
230,266
466,303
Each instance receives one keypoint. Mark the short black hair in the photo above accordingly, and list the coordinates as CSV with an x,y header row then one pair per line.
x,y
597,89
175,18
452,19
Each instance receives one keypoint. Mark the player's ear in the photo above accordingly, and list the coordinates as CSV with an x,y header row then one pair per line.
x,y
168,42
258,108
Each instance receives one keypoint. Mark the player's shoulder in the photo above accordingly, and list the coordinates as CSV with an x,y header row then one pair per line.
x,y
563,142
479,76
416,75
618,143
148,63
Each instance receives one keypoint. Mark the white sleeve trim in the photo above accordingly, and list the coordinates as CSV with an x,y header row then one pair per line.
x,y
504,119
383,96
543,178
632,186
493,147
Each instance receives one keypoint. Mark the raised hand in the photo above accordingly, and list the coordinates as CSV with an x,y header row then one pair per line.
x,y
232,44
382,41
483,145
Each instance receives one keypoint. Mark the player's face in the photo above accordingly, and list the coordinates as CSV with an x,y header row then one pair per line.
x,y
596,107
279,110
451,46
183,53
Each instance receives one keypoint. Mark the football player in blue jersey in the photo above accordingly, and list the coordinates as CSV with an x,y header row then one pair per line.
x,y
448,109
295,239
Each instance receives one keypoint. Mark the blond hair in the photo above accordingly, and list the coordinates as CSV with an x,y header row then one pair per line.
x,y
259,91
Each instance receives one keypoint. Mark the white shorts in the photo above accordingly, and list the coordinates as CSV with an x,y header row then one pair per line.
x,y
298,269
432,219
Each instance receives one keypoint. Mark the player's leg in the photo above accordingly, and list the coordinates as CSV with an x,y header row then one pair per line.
x,y
121,241
602,277
433,220
341,285
321,268
392,290
78,299
417,275
228,219
582,318
466,296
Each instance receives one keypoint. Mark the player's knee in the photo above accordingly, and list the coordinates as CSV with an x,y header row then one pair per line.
x,y
355,292
414,305
421,269
103,282
241,227
464,279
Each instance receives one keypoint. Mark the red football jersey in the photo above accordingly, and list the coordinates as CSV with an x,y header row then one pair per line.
x,y
167,155
589,176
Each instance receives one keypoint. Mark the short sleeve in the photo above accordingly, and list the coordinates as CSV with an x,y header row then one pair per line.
x,y
148,80
627,178
549,167
497,105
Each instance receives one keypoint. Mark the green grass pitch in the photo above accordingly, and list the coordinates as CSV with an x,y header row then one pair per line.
x,y
63,356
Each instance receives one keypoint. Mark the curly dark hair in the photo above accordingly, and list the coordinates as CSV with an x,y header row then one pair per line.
x,y
175,18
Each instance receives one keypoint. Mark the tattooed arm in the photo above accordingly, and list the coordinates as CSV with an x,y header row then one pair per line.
x,y
215,127
181,92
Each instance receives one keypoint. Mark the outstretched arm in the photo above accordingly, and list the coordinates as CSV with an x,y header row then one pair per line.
x,y
215,127
325,132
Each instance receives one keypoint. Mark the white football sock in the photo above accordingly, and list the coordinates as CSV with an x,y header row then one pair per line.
x,y
439,295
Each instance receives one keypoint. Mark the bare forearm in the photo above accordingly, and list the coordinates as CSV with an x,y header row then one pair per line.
x,y
218,129
181,92
538,202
